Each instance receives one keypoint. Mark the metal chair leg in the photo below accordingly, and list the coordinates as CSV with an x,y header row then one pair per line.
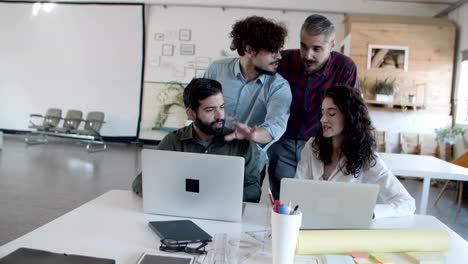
x,y
36,139
441,193
90,147
460,193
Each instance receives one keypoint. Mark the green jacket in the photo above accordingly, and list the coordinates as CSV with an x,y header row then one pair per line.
x,y
183,140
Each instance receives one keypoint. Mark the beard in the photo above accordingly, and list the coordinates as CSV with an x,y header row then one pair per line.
x,y
267,72
263,71
209,128
313,65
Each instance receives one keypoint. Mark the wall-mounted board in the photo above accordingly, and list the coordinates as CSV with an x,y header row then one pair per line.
x,y
71,56
182,41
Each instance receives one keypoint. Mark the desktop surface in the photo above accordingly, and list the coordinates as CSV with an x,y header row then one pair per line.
x,y
96,229
428,167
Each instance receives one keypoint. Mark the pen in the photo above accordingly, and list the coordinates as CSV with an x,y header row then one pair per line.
x,y
289,208
295,209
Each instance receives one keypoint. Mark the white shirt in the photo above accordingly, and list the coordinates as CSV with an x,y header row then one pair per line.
x,y
395,198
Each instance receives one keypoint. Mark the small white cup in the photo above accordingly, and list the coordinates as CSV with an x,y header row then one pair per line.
x,y
284,232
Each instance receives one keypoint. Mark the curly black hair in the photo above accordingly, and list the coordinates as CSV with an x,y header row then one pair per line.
x,y
359,143
258,33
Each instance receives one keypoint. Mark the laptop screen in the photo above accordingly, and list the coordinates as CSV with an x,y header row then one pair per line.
x,y
192,184
331,205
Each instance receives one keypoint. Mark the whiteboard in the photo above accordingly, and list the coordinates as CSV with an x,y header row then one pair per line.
x,y
182,41
87,57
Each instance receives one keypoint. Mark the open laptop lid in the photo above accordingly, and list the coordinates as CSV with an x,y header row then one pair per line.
x,y
192,184
331,205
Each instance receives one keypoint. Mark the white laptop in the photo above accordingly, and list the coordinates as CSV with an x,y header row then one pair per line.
x,y
331,205
192,185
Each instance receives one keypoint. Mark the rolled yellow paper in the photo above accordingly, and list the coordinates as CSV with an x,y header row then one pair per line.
x,y
346,241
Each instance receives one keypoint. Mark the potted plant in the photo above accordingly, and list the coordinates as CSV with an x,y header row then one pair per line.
x,y
448,135
384,90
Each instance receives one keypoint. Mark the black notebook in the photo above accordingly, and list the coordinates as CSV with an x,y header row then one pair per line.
x,y
28,256
182,231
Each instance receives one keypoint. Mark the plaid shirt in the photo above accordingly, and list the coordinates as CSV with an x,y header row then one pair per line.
x,y
308,89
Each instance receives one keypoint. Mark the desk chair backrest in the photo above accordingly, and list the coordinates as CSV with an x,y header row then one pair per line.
x,y
409,143
72,119
462,160
381,141
52,117
428,145
94,121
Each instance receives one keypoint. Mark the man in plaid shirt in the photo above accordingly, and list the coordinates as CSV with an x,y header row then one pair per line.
x,y
309,70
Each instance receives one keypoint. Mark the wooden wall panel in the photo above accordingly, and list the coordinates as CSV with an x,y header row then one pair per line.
x,y
431,44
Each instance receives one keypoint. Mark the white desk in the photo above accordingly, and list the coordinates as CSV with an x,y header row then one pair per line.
x,y
113,226
427,167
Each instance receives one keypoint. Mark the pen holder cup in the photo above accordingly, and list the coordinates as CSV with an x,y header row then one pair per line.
x,y
284,231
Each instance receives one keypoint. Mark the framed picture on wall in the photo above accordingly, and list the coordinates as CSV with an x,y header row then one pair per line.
x,y
187,49
158,36
167,50
185,34
387,57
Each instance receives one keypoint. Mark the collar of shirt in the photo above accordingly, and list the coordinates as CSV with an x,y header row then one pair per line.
x,y
318,168
237,72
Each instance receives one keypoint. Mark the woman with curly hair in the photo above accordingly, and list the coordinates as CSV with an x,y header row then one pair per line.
x,y
344,151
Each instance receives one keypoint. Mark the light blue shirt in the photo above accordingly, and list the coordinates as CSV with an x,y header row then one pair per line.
x,y
263,102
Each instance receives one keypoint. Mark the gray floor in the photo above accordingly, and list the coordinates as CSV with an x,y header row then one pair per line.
x,y
40,183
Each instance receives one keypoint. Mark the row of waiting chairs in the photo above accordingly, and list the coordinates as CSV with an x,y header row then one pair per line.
x,y
414,143
48,125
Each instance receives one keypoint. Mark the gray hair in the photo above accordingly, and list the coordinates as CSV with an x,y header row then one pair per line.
x,y
316,25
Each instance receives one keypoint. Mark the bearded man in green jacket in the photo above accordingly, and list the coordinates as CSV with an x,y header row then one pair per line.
x,y
204,102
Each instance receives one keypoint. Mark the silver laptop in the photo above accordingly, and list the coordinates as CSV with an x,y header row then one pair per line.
x,y
331,205
192,185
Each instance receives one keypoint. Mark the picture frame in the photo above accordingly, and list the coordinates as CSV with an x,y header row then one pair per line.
x,y
167,50
185,34
159,36
187,49
387,57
